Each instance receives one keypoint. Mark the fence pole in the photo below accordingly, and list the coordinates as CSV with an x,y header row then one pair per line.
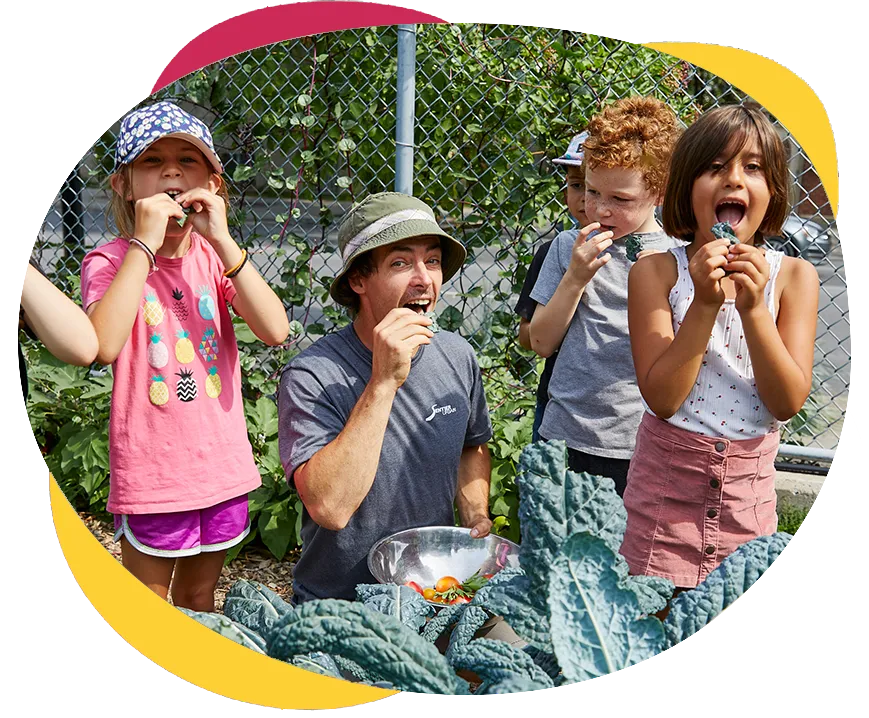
x,y
72,213
404,110
794,451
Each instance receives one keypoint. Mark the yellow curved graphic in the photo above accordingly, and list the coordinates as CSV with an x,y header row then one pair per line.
x,y
784,94
178,643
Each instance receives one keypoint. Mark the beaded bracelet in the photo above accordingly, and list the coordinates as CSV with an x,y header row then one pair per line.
x,y
152,260
230,273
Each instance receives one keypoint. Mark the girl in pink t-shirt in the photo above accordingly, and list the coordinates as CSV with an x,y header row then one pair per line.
x,y
181,463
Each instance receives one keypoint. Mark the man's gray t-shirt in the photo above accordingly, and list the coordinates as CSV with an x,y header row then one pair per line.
x,y
438,411
594,402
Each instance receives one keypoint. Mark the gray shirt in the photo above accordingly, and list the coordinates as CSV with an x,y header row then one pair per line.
x,y
438,411
594,403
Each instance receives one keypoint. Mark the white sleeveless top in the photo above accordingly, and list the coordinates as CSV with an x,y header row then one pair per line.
x,y
724,401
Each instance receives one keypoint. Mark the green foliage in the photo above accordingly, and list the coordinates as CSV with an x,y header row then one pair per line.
x,y
511,409
692,610
254,606
69,414
789,520
368,638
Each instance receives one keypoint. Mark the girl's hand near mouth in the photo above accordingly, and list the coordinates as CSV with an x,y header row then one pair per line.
x,y
152,215
707,270
209,218
750,273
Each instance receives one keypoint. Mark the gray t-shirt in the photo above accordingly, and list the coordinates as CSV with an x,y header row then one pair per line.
x,y
438,411
594,403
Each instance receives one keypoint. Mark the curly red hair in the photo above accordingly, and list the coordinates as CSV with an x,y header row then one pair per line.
x,y
635,133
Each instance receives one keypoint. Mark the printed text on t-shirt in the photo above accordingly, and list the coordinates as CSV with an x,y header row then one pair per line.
x,y
435,409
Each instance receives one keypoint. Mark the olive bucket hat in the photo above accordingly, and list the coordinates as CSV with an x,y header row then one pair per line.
x,y
385,218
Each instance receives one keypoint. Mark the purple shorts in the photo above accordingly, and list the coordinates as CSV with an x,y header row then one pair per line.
x,y
186,533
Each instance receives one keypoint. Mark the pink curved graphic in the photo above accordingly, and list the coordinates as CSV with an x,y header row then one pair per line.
x,y
283,22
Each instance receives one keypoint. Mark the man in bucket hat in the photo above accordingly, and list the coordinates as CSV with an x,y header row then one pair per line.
x,y
383,424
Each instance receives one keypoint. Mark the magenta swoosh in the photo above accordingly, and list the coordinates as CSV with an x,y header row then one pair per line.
x,y
283,22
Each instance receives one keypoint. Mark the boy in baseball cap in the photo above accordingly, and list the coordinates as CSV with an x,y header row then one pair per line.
x,y
574,199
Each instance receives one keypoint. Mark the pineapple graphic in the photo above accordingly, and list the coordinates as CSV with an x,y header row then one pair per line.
x,y
186,388
206,303
158,392
179,306
184,347
212,383
158,353
153,310
208,345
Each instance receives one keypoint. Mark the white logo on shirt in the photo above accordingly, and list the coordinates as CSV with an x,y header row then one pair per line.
x,y
435,409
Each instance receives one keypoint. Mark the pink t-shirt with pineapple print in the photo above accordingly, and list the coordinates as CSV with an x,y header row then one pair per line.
x,y
177,432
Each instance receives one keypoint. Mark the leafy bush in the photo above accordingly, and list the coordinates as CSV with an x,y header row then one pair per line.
x,y
69,414
572,600
790,519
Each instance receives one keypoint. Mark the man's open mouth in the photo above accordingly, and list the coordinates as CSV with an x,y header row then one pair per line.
x,y
420,306
730,210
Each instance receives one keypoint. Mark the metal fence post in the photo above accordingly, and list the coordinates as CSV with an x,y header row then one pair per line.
x,y
404,110
72,212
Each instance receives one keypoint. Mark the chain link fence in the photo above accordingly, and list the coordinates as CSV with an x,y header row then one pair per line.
x,y
307,127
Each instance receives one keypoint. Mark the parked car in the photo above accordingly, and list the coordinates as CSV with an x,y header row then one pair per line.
x,y
803,238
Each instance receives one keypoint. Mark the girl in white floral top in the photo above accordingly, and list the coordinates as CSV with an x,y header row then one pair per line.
x,y
722,334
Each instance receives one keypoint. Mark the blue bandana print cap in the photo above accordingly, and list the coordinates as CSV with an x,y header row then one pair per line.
x,y
574,154
143,127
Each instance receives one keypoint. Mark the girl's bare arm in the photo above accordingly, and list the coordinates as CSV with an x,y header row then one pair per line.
x,y
666,363
61,326
782,350
112,316
255,301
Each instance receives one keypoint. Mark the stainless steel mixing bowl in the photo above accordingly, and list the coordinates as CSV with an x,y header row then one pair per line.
x,y
426,554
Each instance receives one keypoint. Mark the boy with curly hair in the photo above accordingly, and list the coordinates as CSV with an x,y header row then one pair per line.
x,y
594,403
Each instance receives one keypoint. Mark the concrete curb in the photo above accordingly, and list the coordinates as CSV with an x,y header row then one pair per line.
x,y
797,491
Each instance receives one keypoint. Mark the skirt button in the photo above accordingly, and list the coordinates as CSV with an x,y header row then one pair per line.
x,y
712,513
710,550
720,446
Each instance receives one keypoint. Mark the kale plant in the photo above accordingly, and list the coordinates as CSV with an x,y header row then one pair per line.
x,y
572,600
